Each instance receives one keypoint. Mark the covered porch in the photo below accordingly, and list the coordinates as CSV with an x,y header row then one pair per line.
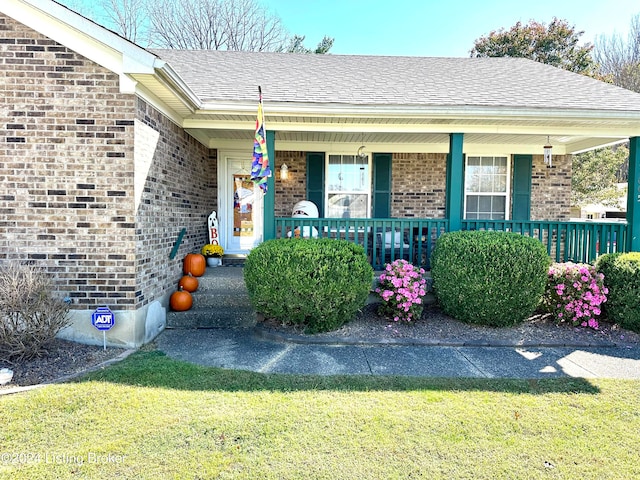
x,y
387,238
395,151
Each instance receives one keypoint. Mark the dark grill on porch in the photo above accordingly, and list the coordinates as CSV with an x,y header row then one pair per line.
x,y
388,239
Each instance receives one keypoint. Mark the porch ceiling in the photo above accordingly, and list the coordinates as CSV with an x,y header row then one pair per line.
x,y
414,134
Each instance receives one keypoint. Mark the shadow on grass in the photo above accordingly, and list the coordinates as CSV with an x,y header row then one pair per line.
x,y
153,369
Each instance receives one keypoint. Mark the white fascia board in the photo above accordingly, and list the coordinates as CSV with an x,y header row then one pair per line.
x,y
83,36
415,111
555,130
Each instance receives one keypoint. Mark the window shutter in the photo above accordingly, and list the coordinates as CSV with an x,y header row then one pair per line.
x,y
449,183
521,208
382,185
315,179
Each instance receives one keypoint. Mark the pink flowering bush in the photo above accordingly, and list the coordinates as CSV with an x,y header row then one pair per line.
x,y
401,288
575,293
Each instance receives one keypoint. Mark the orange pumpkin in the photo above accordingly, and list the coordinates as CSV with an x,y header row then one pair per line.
x,y
194,264
189,283
180,300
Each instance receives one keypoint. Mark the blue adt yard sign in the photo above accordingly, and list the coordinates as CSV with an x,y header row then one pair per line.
x,y
103,318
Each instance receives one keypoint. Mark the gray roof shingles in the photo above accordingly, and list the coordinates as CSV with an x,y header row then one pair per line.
x,y
392,81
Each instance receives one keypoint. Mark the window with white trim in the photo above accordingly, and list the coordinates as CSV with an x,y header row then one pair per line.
x,y
348,187
486,188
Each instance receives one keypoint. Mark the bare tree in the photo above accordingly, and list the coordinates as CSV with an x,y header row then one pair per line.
x,y
199,24
619,59
186,24
215,25
252,28
128,16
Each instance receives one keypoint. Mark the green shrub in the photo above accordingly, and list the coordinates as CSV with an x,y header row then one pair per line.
x,y
622,278
489,278
316,283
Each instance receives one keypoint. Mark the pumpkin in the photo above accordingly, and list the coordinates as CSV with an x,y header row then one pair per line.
x,y
189,283
180,300
194,264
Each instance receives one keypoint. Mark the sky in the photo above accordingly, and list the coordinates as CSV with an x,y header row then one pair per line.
x,y
441,28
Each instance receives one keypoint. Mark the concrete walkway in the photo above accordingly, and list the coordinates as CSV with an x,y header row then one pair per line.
x,y
242,349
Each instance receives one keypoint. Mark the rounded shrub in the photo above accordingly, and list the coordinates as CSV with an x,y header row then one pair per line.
x,y
622,278
319,284
489,278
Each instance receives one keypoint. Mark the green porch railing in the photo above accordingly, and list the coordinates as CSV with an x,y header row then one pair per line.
x,y
387,239
383,239
580,242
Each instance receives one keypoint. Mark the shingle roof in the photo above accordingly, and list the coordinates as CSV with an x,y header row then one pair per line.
x,y
401,81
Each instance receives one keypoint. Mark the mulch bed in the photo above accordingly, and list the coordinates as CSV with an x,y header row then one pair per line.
x,y
61,359
434,327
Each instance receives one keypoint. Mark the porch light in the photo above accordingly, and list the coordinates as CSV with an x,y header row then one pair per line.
x,y
284,172
361,153
547,153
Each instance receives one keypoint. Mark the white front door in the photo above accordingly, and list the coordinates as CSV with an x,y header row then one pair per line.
x,y
241,204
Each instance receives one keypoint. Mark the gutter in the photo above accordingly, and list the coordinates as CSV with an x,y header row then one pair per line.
x,y
176,84
413,111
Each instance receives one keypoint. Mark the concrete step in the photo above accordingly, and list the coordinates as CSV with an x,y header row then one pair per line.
x,y
212,318
233,260
220,300
222,279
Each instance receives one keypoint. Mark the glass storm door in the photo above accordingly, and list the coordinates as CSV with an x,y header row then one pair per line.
x,y
243,208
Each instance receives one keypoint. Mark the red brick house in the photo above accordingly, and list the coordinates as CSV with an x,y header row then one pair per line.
x,y
109,151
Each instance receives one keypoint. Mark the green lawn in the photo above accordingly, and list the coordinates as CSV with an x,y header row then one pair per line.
x,y
153,417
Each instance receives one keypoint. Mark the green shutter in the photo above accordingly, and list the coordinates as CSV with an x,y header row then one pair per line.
x,y
448,185
521,208
268,212
382,185
315,179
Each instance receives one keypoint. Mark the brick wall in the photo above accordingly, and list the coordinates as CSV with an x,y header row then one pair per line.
x,y
74,197
551,188
419,183
291,191
176,178
66,175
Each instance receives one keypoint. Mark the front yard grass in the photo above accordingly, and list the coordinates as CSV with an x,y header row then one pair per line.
x,y
153,417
